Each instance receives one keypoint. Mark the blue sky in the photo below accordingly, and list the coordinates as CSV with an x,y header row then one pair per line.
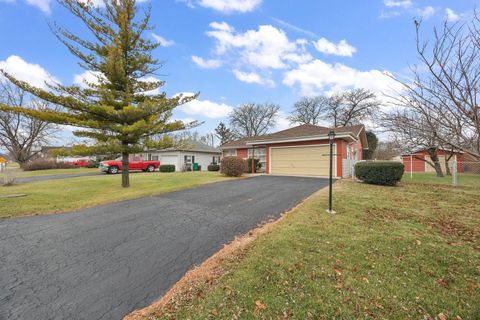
x,y
235,51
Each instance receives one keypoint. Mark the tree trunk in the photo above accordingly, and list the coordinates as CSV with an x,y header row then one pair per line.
x,y
436,164
433,152
125,172
447,167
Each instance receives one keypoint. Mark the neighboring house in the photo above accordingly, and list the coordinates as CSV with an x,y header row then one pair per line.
x,y
183,158
303,150
416,160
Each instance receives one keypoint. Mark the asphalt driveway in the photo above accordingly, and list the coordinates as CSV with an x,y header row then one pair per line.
x,y
104,262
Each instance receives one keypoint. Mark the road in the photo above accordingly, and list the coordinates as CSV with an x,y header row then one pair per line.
x,y
57,177
104,262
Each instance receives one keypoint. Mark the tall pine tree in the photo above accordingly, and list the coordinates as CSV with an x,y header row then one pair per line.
x,y
121,107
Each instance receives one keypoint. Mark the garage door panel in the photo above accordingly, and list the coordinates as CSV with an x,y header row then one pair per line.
x,y
312,160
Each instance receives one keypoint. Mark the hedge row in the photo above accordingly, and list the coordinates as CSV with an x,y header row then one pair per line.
x,y
167,168
46,164
213,167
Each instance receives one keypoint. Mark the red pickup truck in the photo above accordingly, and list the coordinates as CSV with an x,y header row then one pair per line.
x,y
135,164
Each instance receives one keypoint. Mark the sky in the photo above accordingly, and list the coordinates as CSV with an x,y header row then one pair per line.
x,y
238,51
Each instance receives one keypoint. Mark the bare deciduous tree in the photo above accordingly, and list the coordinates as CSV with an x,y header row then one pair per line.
x,y
20,135
210,139
309,110
413,132
448,91
252,119
387,150
335,105
358,105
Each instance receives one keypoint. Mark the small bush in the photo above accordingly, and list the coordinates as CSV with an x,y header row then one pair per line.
x,y
167,168
248,165
232,166
213,167
387,173
46,164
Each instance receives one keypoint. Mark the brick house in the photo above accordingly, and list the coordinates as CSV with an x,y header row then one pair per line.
x,y
303,150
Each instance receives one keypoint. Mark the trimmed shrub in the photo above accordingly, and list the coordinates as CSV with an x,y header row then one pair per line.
x,y
213,167
167,168
46,164
387,173
248,165
232,166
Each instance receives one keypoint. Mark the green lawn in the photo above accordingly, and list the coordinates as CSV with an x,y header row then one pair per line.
x,y
431,178
69,194
407,252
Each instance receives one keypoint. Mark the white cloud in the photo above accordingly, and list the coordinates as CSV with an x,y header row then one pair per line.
x,y
396,8
88,76
252,77
426,12
43,5
341,49
318,77
206,108
163,42
400,3
207,64
451,15
265,48
229,6
31,73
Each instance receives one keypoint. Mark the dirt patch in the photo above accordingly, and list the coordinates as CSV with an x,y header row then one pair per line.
x,y
195,281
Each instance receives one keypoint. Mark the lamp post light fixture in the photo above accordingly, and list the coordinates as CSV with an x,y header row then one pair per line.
x,y
331,138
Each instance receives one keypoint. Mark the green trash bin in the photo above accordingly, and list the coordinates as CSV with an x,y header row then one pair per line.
x,y
195,167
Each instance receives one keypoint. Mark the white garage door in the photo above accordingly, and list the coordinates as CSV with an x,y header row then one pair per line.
x,y
169,160
303,161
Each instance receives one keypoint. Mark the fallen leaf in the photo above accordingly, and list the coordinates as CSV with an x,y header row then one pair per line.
x,y
442,316
259,306
442,282
213,312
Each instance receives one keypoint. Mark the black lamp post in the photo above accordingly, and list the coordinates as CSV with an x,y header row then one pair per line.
x,y
331,138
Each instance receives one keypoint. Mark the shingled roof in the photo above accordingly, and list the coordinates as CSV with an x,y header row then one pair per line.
x,y
305,130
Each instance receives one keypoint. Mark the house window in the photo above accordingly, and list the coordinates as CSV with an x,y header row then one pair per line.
x,y
259,153
229,152
154,158
189,159
215,160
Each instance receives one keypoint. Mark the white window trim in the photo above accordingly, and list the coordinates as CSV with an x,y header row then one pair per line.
x,y
223,153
